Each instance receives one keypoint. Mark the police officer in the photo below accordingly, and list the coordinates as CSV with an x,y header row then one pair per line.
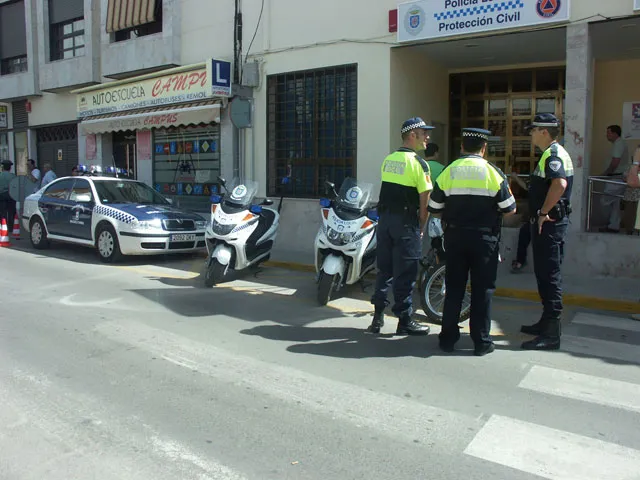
x,y
7,204
402,206
549,204
471,195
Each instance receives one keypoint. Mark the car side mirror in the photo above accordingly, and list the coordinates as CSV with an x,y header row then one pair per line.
x,y
267,201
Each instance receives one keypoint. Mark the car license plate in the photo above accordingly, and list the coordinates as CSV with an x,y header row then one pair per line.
x,y
183,237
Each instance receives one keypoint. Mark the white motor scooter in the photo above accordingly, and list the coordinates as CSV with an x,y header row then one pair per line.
x,y
241,234
346,242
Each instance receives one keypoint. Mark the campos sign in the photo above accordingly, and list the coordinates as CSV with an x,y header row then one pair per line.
x,y
429,19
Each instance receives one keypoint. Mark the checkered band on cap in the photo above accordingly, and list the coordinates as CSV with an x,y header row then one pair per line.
x,y
475,134
412,126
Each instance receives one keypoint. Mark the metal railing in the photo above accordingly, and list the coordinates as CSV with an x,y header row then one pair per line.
x,y
601,187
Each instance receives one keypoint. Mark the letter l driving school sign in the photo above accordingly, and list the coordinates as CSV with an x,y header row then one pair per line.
x,y
430,19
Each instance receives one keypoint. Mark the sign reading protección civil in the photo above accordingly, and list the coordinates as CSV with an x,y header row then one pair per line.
x,y
430,19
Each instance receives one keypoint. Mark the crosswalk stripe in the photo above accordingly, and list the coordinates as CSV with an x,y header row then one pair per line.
x,y
601,391
593,347
551,453
337,400
605,321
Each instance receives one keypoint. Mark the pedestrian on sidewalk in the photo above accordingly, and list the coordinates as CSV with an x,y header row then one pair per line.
x,y
471,195
402,207
524,235
549,205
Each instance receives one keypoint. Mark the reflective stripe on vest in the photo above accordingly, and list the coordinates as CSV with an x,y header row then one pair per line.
x,y
556,150
470,175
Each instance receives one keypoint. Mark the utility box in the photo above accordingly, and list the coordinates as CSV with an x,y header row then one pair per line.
x,y
251,74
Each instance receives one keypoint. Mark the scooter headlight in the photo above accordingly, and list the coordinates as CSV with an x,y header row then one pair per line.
x,y
338,238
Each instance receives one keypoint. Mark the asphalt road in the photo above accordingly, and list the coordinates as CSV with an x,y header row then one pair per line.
x,y
136,371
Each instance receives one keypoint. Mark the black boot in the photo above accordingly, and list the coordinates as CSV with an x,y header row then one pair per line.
x,y
547,339
408,326
535,329
378,321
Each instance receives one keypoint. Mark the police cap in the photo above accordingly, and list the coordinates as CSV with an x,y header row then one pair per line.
x,y
476,133
7,162
413,123
548,120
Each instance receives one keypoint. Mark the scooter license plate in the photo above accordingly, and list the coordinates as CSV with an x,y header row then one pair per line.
x,y
183,237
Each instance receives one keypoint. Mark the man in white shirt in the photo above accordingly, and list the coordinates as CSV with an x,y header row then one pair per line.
x,y
34,173
617,166
49,175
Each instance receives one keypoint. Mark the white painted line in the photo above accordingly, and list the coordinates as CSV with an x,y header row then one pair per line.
x,y
333,399
244,285
606,322
588,388
551,453
593,347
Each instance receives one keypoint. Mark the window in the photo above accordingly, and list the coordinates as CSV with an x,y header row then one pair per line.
x,y
312,129
13,38
81,189
144,29
59,190
67,39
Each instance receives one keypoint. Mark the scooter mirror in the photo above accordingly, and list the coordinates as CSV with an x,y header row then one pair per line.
x,y
222,181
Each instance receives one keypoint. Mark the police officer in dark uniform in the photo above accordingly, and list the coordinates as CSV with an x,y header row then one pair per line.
x,y
402,206
549,204
471,195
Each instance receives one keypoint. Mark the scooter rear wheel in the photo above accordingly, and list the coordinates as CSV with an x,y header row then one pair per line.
x,y
326,287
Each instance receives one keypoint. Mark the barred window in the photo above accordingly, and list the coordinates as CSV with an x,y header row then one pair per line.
x,y
311,129
67,39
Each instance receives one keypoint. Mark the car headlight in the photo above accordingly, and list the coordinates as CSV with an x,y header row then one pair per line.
x,y
338,238
201,224
154,224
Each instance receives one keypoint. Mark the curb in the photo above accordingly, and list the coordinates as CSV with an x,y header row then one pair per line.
x,y
594,303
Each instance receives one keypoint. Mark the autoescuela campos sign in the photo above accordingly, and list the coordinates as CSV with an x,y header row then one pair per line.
x,y
429,19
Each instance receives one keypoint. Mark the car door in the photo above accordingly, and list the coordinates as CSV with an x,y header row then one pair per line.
x,y
81,202
54,205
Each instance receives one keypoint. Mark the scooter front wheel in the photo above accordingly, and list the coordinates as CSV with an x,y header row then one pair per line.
x,y
326,286
214,273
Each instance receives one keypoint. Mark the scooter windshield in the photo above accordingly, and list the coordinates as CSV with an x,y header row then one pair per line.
x,y
240,192
354,196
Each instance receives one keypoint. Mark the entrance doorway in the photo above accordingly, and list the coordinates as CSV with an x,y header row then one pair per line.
x,y
125,152
504,102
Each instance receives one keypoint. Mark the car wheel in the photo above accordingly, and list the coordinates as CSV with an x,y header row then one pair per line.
x,y
107,243
38,234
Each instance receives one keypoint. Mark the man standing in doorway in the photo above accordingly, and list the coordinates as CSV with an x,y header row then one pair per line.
x,y
432,155
404,195
549,207
617,166
49,175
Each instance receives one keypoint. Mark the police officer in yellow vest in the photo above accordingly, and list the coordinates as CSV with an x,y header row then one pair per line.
x,y
471,195
402,206
549,204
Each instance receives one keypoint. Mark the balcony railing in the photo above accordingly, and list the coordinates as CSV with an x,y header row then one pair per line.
x,y
602,192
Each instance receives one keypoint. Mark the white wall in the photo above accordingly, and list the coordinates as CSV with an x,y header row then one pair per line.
x,y
52,108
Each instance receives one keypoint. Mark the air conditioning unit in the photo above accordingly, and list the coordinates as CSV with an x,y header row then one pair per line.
x,y
251,74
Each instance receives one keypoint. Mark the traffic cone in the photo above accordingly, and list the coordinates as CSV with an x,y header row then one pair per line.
x,y
16,228
4,234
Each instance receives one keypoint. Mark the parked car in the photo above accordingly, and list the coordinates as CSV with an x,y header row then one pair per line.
x,y
115,216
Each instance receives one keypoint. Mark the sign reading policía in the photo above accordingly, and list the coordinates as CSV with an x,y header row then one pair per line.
x,y
429,19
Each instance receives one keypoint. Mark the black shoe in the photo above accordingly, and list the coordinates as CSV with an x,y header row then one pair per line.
x,y
412,328
447,347
535,329
542,342
377,323
484,349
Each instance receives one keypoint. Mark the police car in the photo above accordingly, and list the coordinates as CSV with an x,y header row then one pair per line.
x,y
114,215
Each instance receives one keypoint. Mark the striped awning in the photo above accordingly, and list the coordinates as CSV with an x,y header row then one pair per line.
x,y
195,113
123,14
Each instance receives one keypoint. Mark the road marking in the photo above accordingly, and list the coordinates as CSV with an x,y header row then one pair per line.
x,y
593,320
592,347
162,272
330,398
578,386
551,453
95,303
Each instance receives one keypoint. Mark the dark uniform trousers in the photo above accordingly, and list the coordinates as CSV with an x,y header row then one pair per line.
x,y
7,208
398,253
548,253
474,253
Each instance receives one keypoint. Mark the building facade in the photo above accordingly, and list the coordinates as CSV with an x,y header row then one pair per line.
x,y
329,84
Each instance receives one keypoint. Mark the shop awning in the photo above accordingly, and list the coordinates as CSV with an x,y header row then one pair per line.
x,y
155,117
123,14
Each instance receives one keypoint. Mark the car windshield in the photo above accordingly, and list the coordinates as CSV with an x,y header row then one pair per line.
x,y
114,191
